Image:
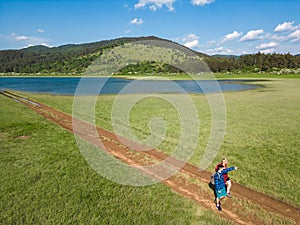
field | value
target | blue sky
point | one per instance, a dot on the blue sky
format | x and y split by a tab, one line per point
208	26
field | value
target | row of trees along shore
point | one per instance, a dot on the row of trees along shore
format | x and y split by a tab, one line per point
258	62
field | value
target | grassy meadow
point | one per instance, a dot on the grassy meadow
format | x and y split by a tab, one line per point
45	180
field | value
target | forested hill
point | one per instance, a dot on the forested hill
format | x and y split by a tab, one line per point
75	58
71	58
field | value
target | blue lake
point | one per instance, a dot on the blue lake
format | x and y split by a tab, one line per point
94	86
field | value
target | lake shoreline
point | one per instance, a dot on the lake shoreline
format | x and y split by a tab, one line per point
115	85
212	76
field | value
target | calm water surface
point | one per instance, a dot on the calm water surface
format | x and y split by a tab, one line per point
69	85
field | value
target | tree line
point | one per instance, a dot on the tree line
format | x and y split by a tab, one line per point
258	62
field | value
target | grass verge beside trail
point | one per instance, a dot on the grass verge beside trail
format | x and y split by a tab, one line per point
45	180
263	138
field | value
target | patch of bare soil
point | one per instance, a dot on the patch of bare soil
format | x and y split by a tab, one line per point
188	181
22	137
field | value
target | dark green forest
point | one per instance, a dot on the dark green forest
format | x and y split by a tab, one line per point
74	59
70	58
258	62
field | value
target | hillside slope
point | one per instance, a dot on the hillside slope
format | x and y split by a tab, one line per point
71	58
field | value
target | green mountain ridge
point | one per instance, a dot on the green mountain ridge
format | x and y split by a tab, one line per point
69	58
75	58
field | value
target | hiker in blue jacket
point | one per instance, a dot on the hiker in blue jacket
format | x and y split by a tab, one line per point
219	183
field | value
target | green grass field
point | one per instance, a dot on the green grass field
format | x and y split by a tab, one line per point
262	134
263	138
45	179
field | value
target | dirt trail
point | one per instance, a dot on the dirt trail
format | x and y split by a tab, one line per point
187	181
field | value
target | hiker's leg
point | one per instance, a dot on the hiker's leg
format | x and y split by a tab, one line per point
212	186
228	185
215	193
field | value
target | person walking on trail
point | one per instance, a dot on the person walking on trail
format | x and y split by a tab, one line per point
227	180
220	184
211	184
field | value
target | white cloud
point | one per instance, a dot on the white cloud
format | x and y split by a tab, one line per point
219	50
137	21
286	26
22	38
190	40
155	4
232	36
153	7
295	36
127	7
30	45
278	38
47	45
127	31
201	2
40	30
253	35
26	40
268	51
212	42
192	44
44	44
272	44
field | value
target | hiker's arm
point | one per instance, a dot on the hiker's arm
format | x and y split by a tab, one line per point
229	169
